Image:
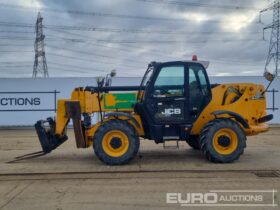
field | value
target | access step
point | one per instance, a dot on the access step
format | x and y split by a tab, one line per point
169	144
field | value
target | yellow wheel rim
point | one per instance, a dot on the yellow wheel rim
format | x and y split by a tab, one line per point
115	143
225	141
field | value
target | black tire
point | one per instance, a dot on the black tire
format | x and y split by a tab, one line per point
126	129
206	141
193	142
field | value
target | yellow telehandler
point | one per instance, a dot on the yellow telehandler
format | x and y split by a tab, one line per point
175	101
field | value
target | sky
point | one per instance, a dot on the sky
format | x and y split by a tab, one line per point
92	37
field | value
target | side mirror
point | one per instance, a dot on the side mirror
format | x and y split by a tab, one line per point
113	73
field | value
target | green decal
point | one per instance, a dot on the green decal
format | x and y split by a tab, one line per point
119	100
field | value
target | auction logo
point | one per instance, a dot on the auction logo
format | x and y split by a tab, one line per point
253	198
19	101
28	101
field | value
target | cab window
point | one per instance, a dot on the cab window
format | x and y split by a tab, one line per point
198	87
170	82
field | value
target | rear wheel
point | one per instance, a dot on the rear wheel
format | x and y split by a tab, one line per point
222	141
116	142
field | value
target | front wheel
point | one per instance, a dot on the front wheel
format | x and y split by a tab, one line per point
115	142
222	141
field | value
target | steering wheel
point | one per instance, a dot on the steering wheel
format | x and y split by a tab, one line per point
162	90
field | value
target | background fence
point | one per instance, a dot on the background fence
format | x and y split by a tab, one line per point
24	101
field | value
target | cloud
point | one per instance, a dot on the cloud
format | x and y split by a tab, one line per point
31	3
230	39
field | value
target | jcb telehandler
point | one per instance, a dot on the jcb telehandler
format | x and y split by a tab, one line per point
175	101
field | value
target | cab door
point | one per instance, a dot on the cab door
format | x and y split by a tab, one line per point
199	90
166	103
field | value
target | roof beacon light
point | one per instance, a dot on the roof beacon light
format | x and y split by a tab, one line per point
194	58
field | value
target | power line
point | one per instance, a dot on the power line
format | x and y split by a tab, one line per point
102	55
119	30
134	31
22	38
79	51
7	66
194	4
114	41
214	61
158	41
79	68
14	45
235	63
18	32
86	72
176	41
89	60
77	40
15	62
111	15
16	25
69	70
73	66
155	52
16	51
91	53
75	58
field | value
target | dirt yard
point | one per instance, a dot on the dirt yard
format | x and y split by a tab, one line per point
71	178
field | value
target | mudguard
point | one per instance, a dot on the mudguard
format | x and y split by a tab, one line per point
236	116
123	114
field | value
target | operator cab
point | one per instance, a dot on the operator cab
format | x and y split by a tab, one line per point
174	95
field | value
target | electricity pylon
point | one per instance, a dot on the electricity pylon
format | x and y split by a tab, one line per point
40	68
